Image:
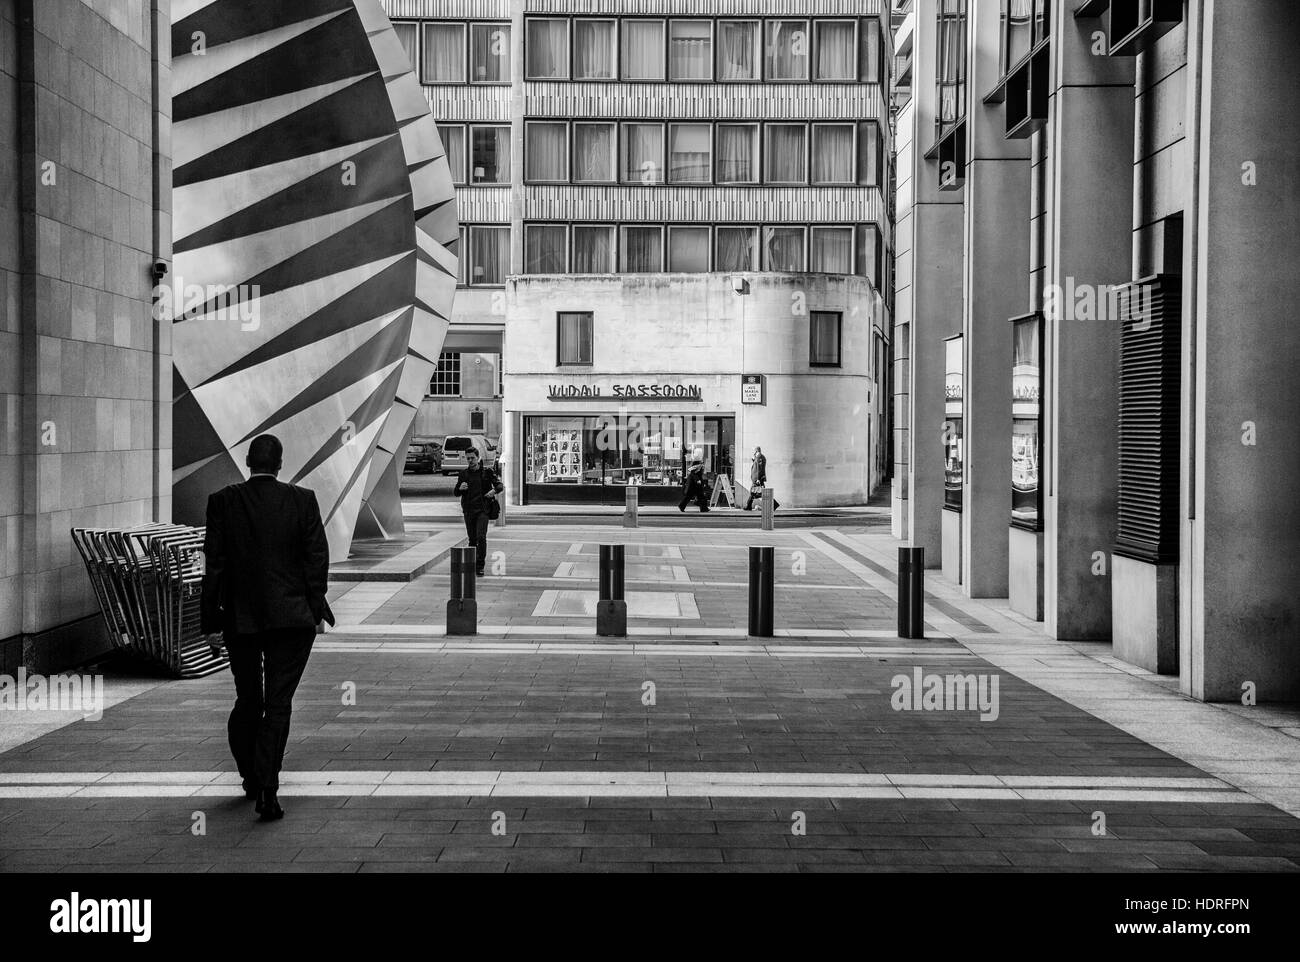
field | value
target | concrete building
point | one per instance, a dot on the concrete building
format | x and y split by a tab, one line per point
665	179
1093	244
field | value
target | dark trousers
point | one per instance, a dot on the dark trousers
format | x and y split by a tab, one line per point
695	492
476	525
267	668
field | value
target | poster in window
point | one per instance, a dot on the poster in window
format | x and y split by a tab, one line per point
1026	409
953	446
564	459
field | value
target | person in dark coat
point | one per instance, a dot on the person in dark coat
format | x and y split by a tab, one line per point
693	486
266	570
477	485
758	480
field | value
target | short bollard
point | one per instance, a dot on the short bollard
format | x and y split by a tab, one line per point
769	509
762	575
631	501
911	592
611	609
462	606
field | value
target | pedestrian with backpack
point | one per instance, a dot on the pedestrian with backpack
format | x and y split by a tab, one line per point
478	487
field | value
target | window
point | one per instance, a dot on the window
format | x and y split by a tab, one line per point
952	61
690	50
783	249
871	154
870	262
786	160
547	54
738	49
574	337
1017	31
594	50
787	50
489	254
593	153
832	152
688	153
446	376
453	142
643	153
462	256
408	34
836	49
548	151
737	153
544	248
477	420
832	250
593	249
688	249
872	60
643	49
737	249
643	251
824	342
491	155
489	53
444	53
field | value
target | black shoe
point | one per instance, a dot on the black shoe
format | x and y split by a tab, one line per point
268	807
704	510
251	790
681	508
479	573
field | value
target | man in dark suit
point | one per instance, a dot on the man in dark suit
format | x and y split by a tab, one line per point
476	486
267	567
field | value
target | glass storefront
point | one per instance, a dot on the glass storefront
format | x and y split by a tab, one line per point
581	458
1026	445
953	411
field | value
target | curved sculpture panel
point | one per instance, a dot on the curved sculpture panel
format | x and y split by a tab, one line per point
315	246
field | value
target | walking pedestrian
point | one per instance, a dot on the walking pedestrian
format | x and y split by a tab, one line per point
758	480
478	487
693	486
265	576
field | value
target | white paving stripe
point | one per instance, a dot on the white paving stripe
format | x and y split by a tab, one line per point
489	648
636	631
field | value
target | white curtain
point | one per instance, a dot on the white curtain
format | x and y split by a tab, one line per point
593	250
547	152
832	250
688	153
737	148
736	249
836	58
593	153
453	142
869	154
786	162
787	50
643	153
444	53
548	49
737	41
688	249
489	254
825	338
690	50
408	34
593	50
784	248
544	249
491	155
642	250
490	52
833	154
575	338
643	50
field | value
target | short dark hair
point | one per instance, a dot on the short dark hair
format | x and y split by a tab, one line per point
265	454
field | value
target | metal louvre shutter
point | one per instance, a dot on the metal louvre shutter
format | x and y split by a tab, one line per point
1149	396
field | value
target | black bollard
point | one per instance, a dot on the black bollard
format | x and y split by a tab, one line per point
911	592
762	575
611	609
462	606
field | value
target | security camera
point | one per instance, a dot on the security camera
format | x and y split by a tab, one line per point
159	270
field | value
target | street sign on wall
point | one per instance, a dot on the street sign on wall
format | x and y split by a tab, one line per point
753	389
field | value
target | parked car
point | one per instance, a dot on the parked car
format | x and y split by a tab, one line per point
454	447
424	457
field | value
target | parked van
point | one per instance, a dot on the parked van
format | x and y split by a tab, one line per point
454	447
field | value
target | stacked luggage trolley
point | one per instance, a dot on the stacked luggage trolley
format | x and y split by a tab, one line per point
148	580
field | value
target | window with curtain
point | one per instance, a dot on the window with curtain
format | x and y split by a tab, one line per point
547	53
787	50
593	153
832	154
688	153
836	50
643	49
489	249
547	149
462	256
593	249
688	250
574	337
453	142
783	249
952	61
444	53
409	35
832	250
786	152
871	154
738	54
489	53
737	249
869	264
737	153
643	153
593	50
643	250
544	248
1017	25
873	52
690	50
491	158
824	339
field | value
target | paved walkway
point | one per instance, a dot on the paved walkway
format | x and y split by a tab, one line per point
686	747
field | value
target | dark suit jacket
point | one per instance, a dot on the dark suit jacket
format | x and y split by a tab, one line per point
267	560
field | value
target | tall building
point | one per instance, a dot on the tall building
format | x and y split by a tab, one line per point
1095	214
675	232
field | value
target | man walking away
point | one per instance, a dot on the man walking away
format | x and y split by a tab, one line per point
758	480
267	570
693	486
478	487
